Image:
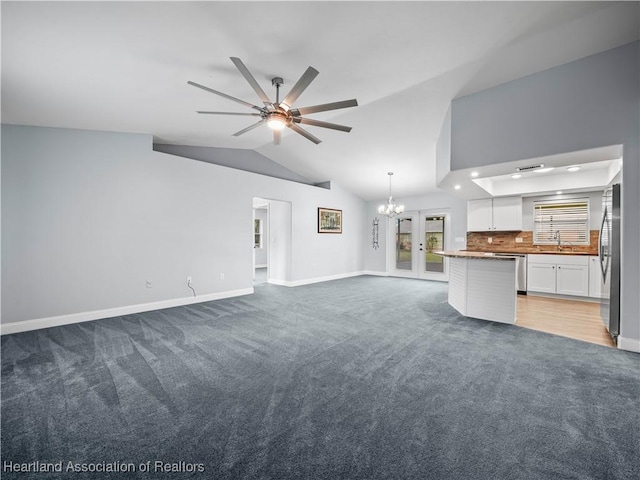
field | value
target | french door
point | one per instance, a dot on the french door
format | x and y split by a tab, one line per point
414	238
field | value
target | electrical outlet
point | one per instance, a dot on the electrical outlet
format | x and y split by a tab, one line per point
148	284
490	240
518	239
222	276
188	280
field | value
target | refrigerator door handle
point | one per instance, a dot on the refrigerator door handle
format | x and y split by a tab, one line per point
602	254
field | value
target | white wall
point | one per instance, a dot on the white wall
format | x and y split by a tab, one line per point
88	217
376	261
589	103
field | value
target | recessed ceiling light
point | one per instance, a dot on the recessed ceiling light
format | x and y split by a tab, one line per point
574	168
457	187
543	170
474	174
516	175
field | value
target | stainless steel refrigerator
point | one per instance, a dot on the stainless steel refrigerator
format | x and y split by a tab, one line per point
609	253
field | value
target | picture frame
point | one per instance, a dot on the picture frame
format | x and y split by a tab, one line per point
329	220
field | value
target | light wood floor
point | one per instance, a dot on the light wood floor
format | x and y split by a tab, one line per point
568	318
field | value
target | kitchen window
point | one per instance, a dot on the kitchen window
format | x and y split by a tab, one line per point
564	222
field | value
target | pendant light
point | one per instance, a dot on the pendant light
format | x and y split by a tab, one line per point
390	209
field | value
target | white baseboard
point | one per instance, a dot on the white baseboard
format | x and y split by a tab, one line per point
564	297
47	322
628	344
282	283
379	274
309	281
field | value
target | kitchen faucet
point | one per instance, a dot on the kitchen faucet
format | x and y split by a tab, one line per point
556	236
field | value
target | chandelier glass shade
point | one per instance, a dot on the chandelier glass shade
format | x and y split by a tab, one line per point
390	209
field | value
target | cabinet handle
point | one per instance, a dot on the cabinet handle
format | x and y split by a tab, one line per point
553	266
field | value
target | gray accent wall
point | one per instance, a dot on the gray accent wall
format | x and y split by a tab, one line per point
443	149
588	103
89	217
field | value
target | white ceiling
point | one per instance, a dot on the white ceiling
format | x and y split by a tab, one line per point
121	66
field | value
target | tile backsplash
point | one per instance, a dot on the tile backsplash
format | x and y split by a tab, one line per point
506	241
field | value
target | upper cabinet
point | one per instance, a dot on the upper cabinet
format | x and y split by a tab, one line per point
480	215
489	214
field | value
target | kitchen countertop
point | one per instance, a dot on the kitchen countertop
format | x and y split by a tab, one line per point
480	255
532	251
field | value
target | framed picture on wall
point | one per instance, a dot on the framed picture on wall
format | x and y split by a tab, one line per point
329	220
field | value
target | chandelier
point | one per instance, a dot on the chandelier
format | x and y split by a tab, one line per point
390	209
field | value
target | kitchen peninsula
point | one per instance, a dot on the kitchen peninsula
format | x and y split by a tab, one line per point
482	285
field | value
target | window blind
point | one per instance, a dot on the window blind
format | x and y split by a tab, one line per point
566	220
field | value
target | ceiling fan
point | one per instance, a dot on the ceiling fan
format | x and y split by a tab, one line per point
280	114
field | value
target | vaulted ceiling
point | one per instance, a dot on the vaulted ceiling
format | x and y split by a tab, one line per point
121	66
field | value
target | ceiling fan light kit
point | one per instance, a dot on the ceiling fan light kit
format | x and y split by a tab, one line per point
278	115
277	121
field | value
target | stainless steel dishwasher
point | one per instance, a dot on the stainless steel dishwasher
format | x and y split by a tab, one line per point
521	270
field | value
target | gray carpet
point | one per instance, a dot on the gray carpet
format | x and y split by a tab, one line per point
362	378
260	276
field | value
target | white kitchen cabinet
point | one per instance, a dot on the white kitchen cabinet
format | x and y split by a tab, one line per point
507	213
480	215
494	214
595	277
558	274
541	277
572	280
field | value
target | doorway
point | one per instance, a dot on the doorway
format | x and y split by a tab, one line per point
260	241
415	236
272	259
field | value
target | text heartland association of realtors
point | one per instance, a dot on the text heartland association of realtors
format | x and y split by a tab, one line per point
156	466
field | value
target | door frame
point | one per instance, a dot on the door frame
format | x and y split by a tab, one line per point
418	250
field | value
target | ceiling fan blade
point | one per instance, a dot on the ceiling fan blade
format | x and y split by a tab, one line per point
277	137
324	107
250	127
224	95
318	123
304	133
231	113
300	86
250	78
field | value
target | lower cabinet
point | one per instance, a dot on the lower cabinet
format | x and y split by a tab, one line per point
560	274
572	280
541	277
595	277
